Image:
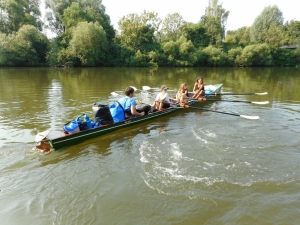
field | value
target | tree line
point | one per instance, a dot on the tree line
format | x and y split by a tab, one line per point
85	37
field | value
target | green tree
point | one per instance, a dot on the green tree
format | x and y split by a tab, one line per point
137	32
214	21
284	57
54	13
27	47
292	31
16	13
297	56
89	43
140	60
270	15
255	55
233	54
172	27
239	37
215	56
73	15
197	34
180	53
274	36
94	12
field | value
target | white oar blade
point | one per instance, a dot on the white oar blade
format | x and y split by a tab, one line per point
263	93
114	94
261	103
40	136
250	117
134	88
146	88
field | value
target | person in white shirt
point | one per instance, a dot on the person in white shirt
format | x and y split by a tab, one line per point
162	100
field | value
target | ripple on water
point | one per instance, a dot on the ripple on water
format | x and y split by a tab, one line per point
198	164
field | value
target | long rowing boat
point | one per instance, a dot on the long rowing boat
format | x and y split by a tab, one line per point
46	144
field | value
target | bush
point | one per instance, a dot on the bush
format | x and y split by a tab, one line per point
180	53
296	54
27	47
88	43
284	57
201	58
233	54
215	56
255	55
140	60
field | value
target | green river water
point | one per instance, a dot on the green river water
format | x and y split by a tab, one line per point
190	167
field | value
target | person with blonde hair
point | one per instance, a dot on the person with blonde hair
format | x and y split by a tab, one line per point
182	95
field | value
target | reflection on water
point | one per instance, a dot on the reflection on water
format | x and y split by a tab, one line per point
191	167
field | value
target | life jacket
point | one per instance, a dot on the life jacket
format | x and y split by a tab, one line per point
102	114
117	112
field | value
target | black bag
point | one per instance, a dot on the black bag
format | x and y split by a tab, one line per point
82	125
103	115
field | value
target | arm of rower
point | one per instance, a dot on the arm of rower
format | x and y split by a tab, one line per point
178	95
195	88
135	113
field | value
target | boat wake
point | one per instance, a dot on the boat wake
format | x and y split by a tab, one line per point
206	166
167	169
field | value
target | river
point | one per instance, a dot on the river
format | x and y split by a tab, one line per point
190	167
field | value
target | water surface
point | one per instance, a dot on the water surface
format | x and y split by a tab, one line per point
190	167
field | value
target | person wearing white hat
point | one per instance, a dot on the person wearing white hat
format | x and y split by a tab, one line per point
162	100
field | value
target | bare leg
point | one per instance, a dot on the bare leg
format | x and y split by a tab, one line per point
184	99
160	106
156	104
196	94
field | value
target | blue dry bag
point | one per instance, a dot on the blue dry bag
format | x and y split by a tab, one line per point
117	112
89	123
86	123
71	127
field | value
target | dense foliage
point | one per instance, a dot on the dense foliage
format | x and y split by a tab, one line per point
85	37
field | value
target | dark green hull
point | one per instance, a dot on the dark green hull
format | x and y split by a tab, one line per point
72	139
96	132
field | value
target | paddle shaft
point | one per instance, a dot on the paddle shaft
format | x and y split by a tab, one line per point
204	109
250	93
223	100
232	114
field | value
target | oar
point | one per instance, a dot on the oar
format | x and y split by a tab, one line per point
223	100
134	88
114	94
233	114
40	136
250	93
140	101
147	88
